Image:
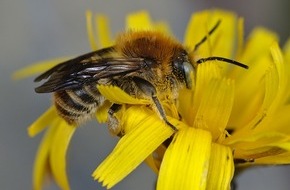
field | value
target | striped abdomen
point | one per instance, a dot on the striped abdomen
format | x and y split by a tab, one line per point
78	105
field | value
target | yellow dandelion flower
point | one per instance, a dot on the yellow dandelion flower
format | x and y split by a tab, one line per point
231	117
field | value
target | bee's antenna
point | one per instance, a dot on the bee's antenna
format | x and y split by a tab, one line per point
214	57
224	60
205	37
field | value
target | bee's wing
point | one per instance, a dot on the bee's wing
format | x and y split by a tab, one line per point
83	70
70	63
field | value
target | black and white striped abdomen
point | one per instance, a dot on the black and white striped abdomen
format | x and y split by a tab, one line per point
78	105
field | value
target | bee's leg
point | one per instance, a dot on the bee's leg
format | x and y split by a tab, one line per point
148	89
114	108
113	123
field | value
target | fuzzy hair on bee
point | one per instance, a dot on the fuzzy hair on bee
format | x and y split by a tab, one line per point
145	64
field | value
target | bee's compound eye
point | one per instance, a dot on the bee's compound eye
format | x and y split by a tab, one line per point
187	70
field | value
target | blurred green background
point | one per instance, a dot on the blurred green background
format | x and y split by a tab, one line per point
34	30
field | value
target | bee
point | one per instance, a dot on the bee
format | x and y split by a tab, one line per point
144	64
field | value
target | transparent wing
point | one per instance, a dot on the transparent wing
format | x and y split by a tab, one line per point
87	69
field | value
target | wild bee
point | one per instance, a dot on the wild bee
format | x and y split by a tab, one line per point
145	64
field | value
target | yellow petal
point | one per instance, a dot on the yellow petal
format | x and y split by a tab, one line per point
286	53
249	93
261	145
221	168
90	31
286	50
185	100
240	37
215	112
258	43
219	43
225	40
104	34
139	21
186	162
234	72
282	80
41	163
154	160
163	27
257	56
38	67
58	151
275	84
197	28
283	158
133	148
190	100
42	122
205	73
256	51
118	96
151	163
264	155
281	121
253	141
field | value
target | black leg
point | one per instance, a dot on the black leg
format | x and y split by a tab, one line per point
114	108
148	89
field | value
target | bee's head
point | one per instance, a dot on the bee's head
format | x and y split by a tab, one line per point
164	55
182	67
